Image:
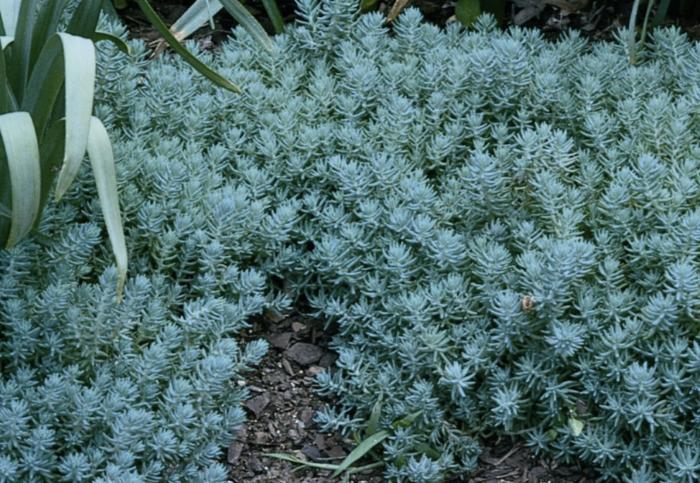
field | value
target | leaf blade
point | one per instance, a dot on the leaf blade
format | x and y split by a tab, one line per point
197	64
362	449
293	459
102	159
274	14
9	10
194	17
373	423
99	36
249	23
22	155
79	70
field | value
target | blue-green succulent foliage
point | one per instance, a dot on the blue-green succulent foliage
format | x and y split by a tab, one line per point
504	230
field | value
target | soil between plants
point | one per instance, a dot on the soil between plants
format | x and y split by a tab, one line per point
283	404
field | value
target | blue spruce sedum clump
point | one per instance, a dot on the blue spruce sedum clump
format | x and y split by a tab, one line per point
503	230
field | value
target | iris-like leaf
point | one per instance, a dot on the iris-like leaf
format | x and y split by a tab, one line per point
202	11
274	14
8	103
20	53
46	25
194	17
84	20
197	64
102	159
9	10
22	156
248	22
116	41
79	72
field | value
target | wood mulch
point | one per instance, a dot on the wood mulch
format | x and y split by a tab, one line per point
282	408
281	411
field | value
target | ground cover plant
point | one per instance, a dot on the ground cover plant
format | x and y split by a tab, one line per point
503	231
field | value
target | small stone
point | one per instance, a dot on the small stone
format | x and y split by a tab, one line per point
234	452
314	371
274	316
320	442
298	326
306	415
328	360
258	404
311	452
304	354
280	341
287	367
256	465
236	447
336	452
261	437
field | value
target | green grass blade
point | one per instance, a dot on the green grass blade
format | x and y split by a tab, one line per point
5	41
22	156
9	10
197	64
645	25
632	33
299	461
102	159
194	17
273	12
248	22
373	423
79	70
407	421
118	43
362	449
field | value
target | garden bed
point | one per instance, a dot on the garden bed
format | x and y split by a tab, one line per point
489	241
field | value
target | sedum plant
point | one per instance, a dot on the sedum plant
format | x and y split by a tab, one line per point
501	231
47	82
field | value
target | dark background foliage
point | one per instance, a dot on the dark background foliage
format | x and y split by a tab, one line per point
597	18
